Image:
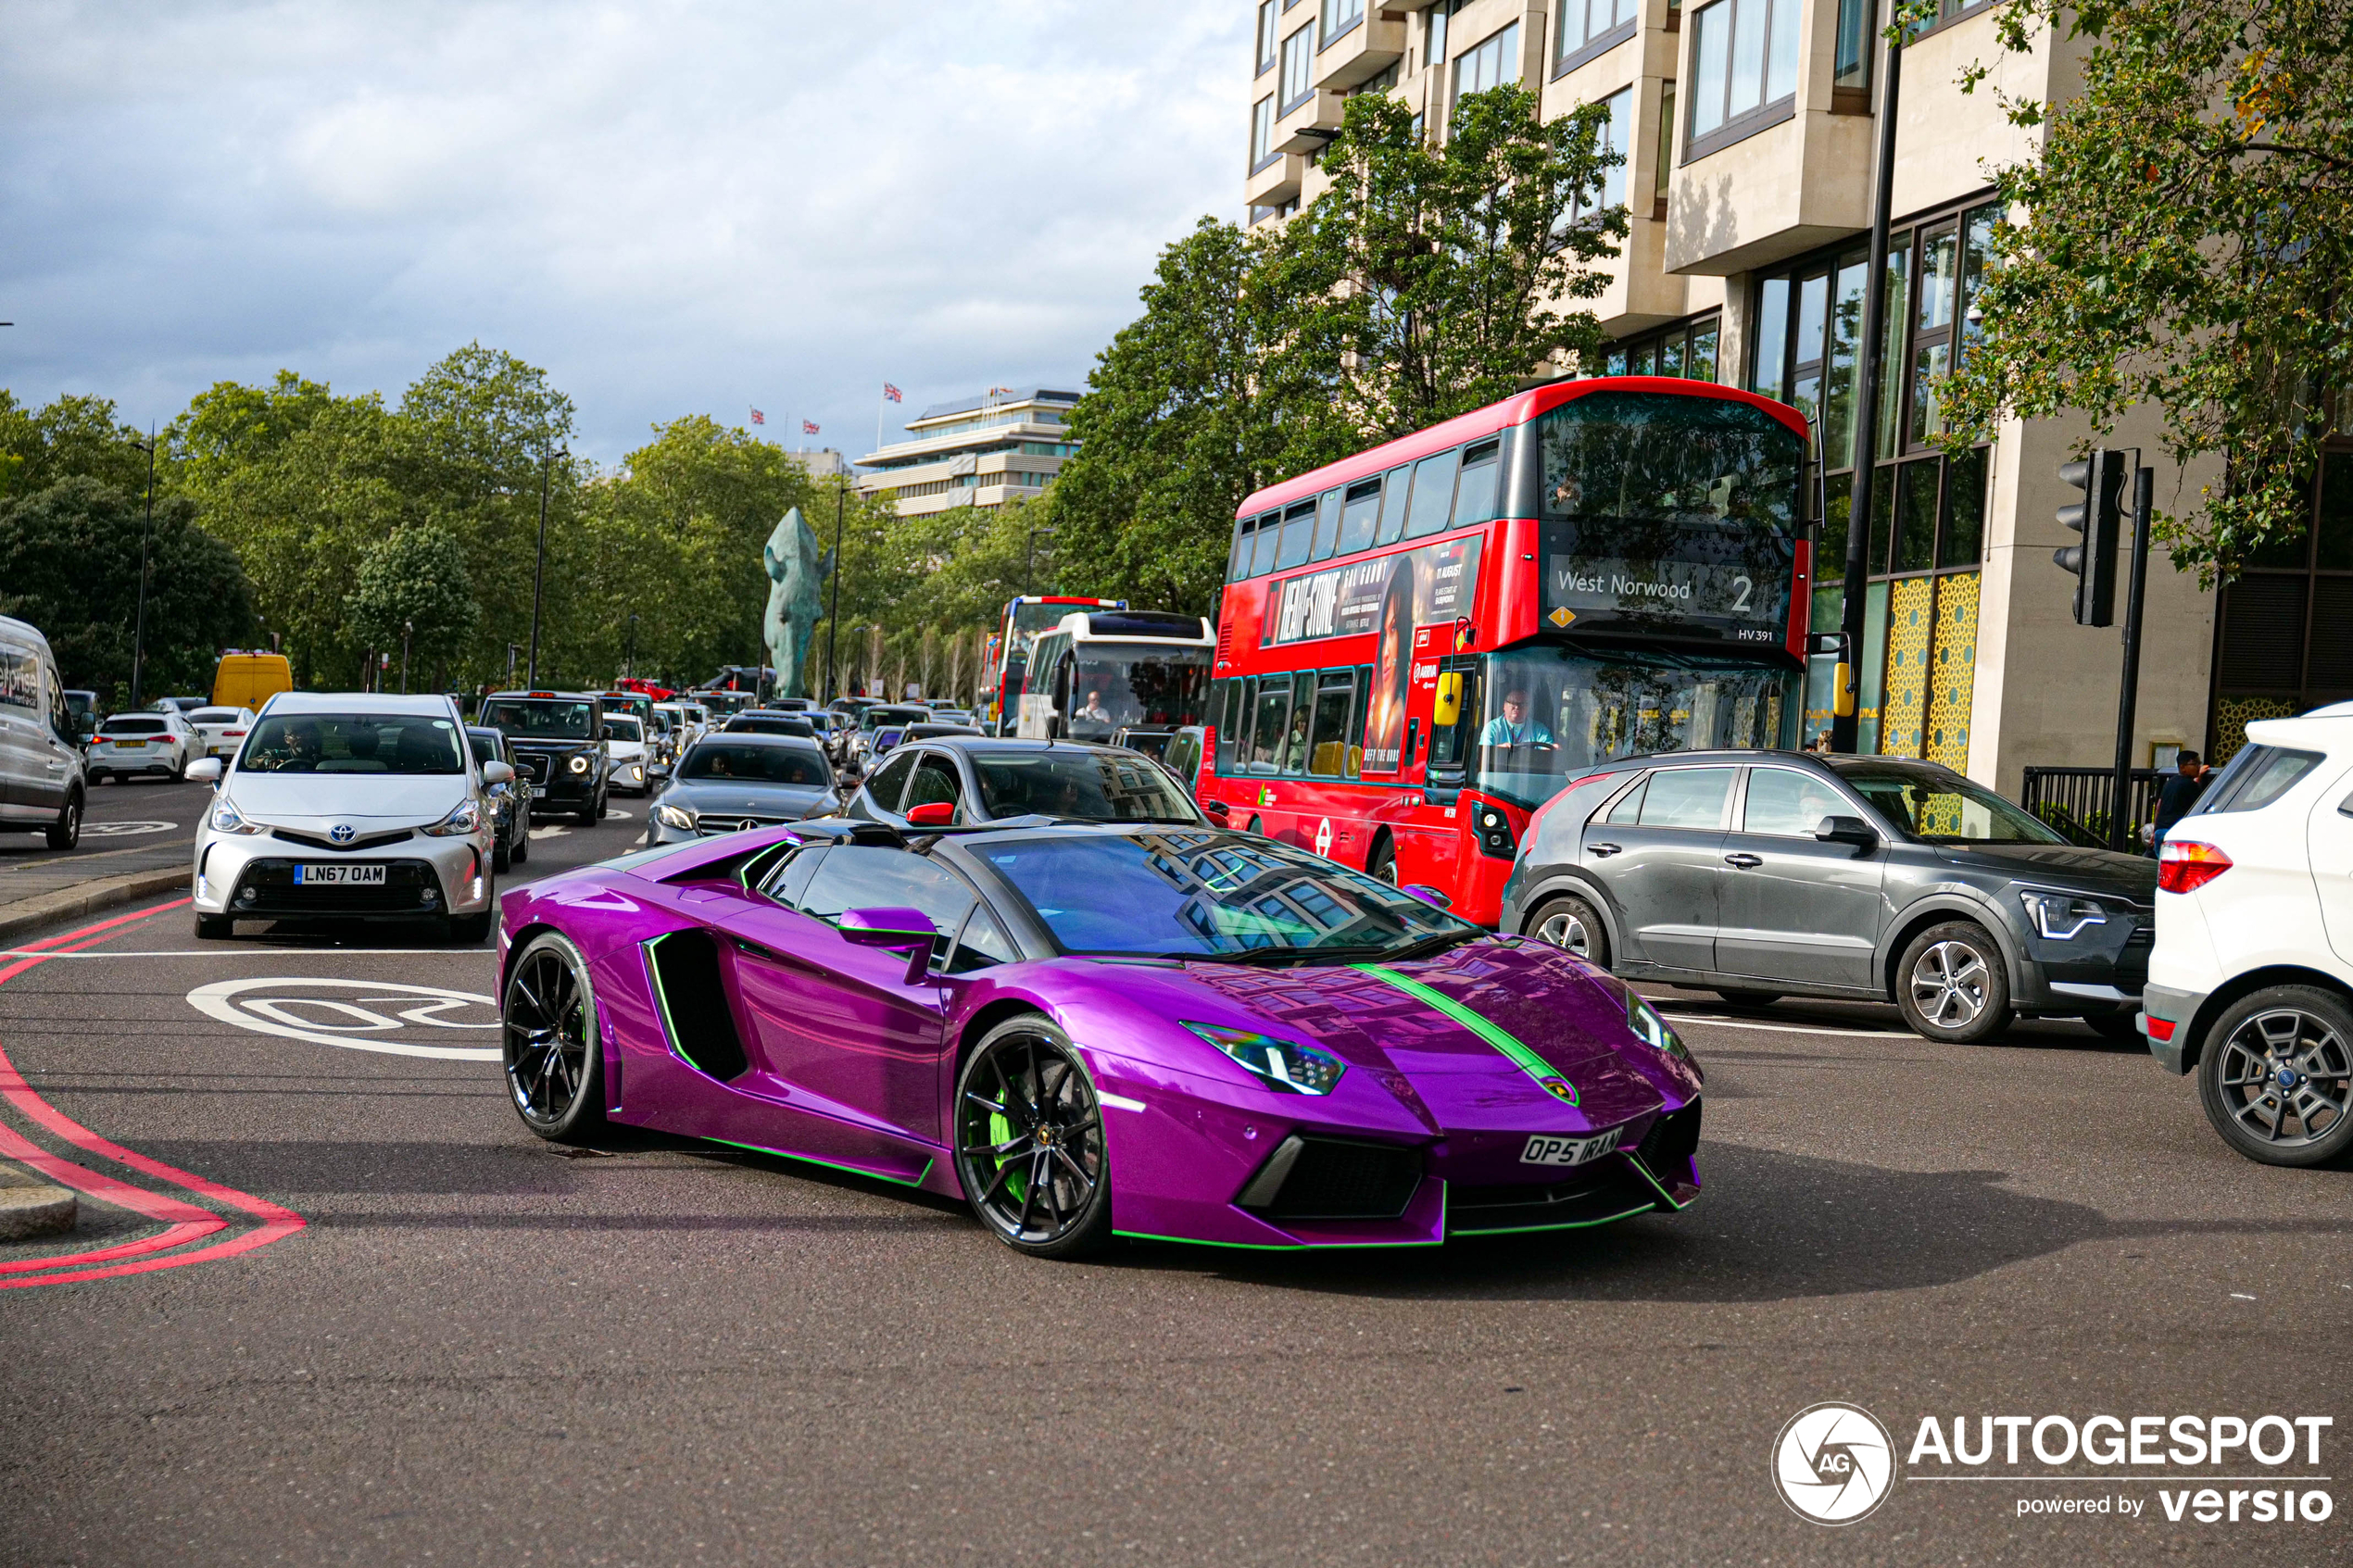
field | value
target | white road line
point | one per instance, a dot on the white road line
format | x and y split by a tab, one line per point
1792	1028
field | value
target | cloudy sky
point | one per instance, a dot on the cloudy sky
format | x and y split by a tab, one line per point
673	208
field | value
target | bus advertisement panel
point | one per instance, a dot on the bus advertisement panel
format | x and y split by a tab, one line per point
1420	645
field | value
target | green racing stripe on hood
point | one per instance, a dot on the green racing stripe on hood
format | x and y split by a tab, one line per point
1527	1060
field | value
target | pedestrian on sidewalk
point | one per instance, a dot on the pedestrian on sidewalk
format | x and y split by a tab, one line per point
2177	796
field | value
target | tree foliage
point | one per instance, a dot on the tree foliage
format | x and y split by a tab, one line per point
414	593
2184	239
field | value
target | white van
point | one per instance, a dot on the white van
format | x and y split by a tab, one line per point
2251	982
42	786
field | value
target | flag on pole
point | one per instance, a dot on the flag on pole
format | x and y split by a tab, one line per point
807	427
758	417
892	393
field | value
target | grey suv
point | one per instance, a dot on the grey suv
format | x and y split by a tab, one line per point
1760	874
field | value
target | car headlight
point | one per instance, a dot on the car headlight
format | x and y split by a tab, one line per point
675	817
580	762
1291	1068
225	819
2061	917
1653	1032
465	817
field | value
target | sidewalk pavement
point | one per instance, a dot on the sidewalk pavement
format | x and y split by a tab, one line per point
38	893
31	1208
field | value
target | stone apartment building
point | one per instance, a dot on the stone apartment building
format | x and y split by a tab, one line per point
977	451
1750	133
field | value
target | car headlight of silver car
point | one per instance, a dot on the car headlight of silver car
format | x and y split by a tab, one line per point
1654	1031
226	819
2061	917
675	817
580	762
1284	1064
464	818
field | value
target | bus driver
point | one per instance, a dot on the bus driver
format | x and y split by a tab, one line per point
1513	727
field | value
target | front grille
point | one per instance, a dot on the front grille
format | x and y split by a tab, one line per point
410	888
320	841
1603	1189
531	767
1672	1140
1308	1178
707	826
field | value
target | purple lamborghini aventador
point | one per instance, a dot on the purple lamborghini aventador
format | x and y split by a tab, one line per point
1088	1030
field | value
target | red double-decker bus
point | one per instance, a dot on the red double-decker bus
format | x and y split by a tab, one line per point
1025	619
1420	645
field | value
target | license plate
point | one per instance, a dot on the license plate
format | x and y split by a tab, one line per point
539	792
339	877
1545	1150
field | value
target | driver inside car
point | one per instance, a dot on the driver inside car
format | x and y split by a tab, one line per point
1513	727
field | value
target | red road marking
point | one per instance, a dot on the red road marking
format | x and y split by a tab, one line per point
188	1220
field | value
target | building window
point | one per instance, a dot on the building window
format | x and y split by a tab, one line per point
1299	67
1261	134
1662	148
1746	66
1583	28
1851	65
1434	40
1686	349
1339	16
1491	64
2284	639
1618	136
1266	36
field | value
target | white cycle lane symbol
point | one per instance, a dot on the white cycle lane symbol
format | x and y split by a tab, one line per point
356	1015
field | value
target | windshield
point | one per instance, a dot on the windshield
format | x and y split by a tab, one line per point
1944	808
1112	687
352	743
1534	718
1671	514
538	717
875	717
625	728
1207	894
1089	786
804	765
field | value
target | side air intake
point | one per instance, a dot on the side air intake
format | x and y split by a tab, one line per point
694	1002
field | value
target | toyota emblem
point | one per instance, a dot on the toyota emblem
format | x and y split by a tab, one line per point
342	833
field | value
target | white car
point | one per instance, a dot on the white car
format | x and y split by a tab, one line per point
160	743
222	730
625	749
687	722
350	805
2251	978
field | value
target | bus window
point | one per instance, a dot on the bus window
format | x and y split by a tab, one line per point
1475	495
1267	733
1433	490
1451	748
1328	746
1262	553
1232	702
1302	702
1359	517
1298	536
1392	514
1327	524
1237	563
1356	721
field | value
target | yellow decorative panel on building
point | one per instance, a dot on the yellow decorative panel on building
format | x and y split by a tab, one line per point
1910	616
1951	670
2233	714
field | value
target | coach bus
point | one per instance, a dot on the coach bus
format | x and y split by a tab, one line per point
1025	617
1124	673
1420	645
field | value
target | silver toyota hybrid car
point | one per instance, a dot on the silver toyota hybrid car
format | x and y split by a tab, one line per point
349	807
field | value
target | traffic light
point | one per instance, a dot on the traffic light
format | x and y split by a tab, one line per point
2101	477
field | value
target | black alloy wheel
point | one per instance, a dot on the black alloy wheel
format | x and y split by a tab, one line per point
66	832
555	1070
1573	925
1953	985
2276	1076
1030	1141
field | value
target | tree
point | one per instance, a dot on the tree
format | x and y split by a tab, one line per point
69	565
1427	282
413	594
72	435
2182	238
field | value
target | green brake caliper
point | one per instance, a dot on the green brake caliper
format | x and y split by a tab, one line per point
1001	1131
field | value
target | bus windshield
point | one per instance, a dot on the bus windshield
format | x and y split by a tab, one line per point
1112	686
1533	718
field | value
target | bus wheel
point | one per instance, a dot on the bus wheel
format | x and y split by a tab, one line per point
1255	826
1574	926
1384	862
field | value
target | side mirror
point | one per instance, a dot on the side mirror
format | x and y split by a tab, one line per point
893	928
931	814
1427	894
496	774
1846	829
205	770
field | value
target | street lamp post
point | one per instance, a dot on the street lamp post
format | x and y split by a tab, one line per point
833	614
539	573
407	630
629	659
146	531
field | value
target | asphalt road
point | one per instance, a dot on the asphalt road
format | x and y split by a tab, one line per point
125	814
481	1350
